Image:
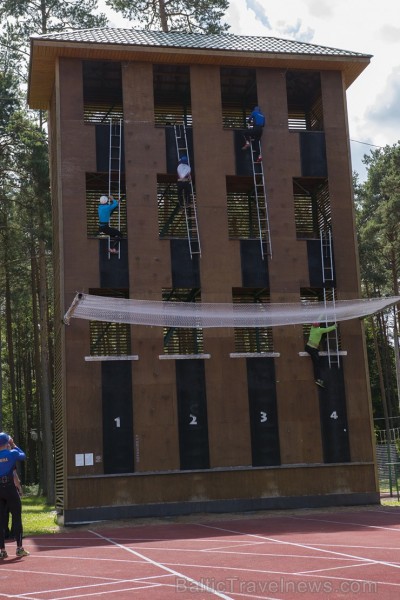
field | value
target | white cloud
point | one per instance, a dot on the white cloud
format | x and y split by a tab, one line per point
259	12
320	8
389	34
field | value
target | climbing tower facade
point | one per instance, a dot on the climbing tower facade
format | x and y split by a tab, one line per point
157	421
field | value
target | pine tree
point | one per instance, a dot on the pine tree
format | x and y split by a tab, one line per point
191	16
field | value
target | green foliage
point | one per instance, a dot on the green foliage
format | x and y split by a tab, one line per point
21	19
32	17
196	16
377	204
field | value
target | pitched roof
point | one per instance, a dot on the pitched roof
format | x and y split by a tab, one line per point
198	41
180	48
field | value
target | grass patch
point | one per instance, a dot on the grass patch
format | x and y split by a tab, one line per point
38	518
390	502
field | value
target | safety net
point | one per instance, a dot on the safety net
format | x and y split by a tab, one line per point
202	314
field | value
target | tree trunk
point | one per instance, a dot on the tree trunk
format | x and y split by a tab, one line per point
46	399
163	16
383	392
1	380
385	361
37	432
395	282
10	349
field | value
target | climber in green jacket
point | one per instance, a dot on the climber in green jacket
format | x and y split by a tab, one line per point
312	348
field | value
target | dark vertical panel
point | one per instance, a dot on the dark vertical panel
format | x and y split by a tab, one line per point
334	429
315	265
314	262
116	379
192	414
185	270
254	268
103	148
113	270
243	163
263	412
171	154
313	154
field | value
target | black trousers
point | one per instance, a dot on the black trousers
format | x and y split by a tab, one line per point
10	499
114	234
254	133
313	352
184	190
9	532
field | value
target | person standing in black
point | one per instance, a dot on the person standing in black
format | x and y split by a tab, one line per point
9	532
9	496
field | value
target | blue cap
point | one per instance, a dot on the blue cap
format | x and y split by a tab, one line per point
184	159
4	438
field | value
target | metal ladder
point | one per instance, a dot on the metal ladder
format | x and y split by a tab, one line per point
332	339
192	226
114	169
261	201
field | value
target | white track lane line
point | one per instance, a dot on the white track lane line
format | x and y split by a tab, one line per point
161	566
305	546
86	587
346	523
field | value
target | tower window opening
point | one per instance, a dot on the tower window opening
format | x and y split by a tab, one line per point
172	100
252	339
182	340
238	96
305	110
102	91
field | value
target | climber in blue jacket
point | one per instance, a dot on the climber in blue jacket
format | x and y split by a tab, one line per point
256	123
106	207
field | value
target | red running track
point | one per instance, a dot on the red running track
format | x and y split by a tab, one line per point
343	553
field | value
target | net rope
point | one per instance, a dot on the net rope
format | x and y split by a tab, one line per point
202	314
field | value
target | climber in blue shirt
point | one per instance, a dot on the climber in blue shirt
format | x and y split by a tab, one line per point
106	207
256	123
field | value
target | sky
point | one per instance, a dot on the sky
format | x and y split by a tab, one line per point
368	26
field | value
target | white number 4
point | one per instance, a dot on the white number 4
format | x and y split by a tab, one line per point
334	415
